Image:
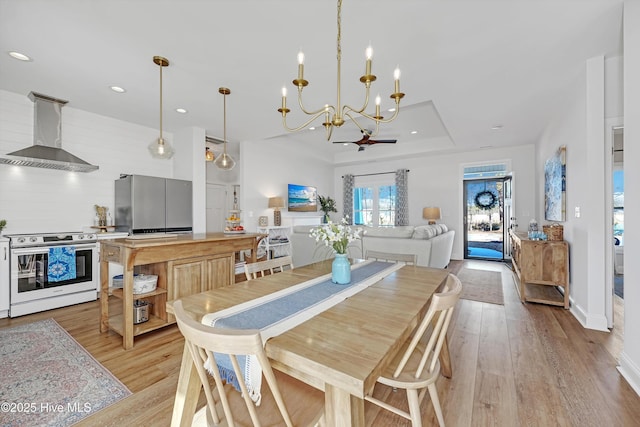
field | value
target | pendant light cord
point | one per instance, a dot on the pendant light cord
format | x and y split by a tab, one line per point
161	101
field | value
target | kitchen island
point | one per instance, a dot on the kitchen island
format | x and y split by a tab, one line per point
185	264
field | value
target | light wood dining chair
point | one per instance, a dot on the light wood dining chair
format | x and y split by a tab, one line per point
416	367
284	400
261	268
409	259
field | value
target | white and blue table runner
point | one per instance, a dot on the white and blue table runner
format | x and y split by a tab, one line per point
280	311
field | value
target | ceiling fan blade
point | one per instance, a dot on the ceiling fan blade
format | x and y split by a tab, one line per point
383	141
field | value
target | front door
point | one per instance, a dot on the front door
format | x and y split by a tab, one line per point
484	219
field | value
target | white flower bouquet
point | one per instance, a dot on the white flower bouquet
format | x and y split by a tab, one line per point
336	236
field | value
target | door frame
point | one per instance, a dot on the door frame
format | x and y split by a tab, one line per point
611	126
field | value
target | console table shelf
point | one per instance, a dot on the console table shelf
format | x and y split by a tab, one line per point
542	268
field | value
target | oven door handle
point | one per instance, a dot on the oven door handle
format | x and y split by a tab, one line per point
45	249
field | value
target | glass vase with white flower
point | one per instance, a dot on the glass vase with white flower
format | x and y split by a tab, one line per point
338	237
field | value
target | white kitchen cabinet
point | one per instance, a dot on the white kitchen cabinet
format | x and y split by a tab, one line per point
277	242
5	291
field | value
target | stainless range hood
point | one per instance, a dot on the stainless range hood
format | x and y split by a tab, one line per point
46	151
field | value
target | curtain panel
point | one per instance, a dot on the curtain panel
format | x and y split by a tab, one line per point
402	193
347	189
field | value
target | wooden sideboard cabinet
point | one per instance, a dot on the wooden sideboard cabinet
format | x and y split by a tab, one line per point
542	268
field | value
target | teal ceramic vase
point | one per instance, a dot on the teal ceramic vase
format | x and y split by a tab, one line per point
341	270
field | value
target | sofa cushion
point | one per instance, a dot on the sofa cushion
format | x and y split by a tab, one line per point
403	232
443	228
429	231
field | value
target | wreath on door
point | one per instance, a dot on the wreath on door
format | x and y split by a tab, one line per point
486	200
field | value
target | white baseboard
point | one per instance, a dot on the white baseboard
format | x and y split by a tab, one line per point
630	372
598	323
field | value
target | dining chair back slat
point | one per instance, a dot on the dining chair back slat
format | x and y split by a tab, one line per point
271	266
409	259
417	366
284	400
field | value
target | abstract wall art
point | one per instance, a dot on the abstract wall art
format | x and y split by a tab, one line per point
555	191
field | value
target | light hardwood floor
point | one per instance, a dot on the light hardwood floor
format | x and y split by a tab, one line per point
513	365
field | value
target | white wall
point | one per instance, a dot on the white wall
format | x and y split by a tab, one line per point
436	180
268	166
630	357
42	200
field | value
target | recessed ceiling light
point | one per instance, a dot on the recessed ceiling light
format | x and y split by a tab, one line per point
345	144
117	89
413	132
312	128
496	127
181	110
19	56
391	110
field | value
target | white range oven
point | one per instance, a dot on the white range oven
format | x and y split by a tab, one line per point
52	270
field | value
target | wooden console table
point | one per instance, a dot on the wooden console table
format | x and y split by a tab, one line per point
542	267
185	264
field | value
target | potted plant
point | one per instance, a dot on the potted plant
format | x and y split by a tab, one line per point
3	224
327	204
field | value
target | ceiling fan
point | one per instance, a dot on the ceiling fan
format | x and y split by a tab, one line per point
366	140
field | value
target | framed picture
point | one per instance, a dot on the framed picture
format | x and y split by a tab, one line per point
263	221
555	191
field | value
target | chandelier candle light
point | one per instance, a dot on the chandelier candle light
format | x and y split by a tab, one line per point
335	115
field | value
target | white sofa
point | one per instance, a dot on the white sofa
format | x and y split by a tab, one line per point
431	243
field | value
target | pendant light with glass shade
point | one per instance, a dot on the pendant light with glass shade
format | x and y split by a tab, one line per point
224	161
160	148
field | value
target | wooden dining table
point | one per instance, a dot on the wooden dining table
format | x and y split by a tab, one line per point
341	351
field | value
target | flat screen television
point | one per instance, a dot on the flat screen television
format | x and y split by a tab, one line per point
302	198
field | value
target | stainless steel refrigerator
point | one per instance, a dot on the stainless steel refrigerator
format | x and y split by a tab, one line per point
148	204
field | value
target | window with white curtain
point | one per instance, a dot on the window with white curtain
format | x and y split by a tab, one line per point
374	200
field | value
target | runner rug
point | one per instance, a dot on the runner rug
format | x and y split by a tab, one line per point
481	285
48	379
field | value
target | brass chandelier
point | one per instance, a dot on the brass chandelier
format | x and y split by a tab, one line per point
335	115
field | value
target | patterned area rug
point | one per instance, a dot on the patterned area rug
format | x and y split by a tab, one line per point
481	285
48	379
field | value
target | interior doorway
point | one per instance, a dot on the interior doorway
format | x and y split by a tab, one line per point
614	202
215	210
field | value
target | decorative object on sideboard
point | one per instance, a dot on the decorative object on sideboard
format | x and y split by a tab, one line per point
263	221
224	161
160	148
327	205
339	111
554	232
431	214
276	203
